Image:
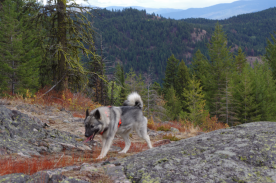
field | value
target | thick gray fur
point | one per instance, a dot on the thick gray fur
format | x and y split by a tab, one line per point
106	119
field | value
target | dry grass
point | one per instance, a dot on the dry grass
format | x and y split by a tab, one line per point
76	102
171	137
209	124
14	164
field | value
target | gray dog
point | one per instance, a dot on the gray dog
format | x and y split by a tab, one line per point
108	121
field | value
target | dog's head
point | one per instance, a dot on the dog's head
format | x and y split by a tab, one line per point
93	123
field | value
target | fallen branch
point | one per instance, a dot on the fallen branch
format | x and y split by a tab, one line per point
58	160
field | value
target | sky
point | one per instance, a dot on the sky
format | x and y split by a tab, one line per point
176	4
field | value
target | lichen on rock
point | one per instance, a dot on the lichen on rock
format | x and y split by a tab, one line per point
245	153
17	135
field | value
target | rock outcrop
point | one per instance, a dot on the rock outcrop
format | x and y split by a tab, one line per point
27	136
245	153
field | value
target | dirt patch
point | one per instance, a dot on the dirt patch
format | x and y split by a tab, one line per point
251	60
198	35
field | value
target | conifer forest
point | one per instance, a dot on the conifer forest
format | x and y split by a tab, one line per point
185	70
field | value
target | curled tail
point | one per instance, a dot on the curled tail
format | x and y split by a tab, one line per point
134	99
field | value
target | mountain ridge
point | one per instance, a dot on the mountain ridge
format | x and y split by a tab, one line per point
218	11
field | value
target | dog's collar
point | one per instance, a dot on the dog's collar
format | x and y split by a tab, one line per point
119	124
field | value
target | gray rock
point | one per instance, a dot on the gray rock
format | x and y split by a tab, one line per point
18	135
72	180
175	130
66	121
39	177
38	121
55	148
16	177
245	153
88	168
116	173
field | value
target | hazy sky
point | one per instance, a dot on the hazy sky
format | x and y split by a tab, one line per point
177	4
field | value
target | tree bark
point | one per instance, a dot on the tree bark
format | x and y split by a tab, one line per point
62	65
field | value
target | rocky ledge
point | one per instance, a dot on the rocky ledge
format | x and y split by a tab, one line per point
245	153
26	136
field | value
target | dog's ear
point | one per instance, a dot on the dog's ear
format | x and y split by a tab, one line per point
87	113
97	114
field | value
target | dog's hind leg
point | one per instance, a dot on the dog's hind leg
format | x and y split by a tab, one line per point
125	136
143	132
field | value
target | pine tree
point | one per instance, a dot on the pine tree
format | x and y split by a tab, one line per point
120	78
69	32
265	91
271	54
220	63
19	54
247	108
182	79
227	111
195	101
199	66
170	73
173	104
240	60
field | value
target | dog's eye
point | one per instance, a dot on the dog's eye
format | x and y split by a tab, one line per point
92	126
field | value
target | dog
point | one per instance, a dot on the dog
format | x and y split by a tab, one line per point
109	121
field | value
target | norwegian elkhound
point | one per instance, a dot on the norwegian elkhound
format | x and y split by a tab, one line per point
109	121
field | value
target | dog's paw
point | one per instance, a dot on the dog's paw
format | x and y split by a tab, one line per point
100	157
122	152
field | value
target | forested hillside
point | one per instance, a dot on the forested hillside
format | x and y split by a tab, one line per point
250	31
202	79
139	40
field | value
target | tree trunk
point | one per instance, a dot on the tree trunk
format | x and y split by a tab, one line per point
112	91
62	65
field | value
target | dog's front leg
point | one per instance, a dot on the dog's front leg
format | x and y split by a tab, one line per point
103	145
106	145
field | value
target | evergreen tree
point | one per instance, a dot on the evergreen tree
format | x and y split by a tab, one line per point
220	63
195	101
271	54
247	108
170	73
265	91
182	79
69	33
156	86
17	49
240	60
173	104
120	77
199	66
227	108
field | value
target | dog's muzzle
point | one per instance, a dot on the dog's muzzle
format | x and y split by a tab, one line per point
89	136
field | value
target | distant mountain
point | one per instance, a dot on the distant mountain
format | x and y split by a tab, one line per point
140	41
148	10
222	11
219	11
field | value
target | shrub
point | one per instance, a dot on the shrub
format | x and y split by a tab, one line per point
211	124
171	137
163	128
151	124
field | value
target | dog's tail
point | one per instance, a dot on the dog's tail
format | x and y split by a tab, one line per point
134	99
